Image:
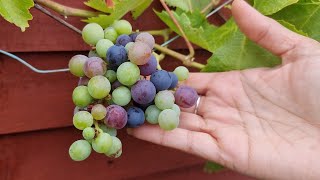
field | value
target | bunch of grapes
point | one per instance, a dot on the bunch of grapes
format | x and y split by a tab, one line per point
120	86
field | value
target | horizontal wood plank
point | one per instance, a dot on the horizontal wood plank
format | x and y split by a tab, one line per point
46	34
44	155
194	172
32	101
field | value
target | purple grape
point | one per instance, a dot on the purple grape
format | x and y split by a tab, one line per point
123	40
174	80
161	80
115	85
143	106
116	117
150	67
116	55
143	92
94	66
135	117
186	96
83	81
133	36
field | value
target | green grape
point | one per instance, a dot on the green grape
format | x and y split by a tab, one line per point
80	150
176	108
164	100
152	114
82	119
111	75
111	34
102	143
76	64
81	96
88	133
98	112
121	96
109	130
128	73
99	87
122	27
182	73
168	120
92	33
128	46
93	53
115	148
102	47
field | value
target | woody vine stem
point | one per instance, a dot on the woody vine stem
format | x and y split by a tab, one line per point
66	11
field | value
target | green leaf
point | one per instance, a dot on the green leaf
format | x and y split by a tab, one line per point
196	27
238	52
292	27
99	5
139	10
211	167
121	7
191	5
304	15
269	7
16	12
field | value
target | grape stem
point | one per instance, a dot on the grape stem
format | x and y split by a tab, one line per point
65	10
189	45
96	126
185	59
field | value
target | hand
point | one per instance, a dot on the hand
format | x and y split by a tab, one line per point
262	122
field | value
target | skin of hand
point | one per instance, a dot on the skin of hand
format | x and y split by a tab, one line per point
262	122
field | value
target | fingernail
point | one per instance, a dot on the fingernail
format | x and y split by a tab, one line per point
130	131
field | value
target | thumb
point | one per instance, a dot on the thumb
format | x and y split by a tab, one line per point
263	30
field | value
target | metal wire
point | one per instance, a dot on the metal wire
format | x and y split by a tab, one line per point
60	20
32	67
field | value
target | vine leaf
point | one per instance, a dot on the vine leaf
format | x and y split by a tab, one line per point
304	15
139	10
99	5
272	6
16	12
195	26
120	8
238	52
191	5
211	167
292	27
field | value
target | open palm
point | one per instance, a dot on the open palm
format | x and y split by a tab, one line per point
262	122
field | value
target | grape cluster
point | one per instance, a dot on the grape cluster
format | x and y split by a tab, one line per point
121	86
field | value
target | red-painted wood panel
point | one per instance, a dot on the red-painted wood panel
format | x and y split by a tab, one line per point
44	155
192	173
31	101
46	34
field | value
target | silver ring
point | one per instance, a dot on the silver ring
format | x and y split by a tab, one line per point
197	105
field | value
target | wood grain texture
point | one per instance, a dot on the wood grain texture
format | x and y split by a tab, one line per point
44	155
46	34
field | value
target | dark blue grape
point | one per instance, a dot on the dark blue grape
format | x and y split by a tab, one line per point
123	40
133	36
116	55
161	80
174	80
150	67
143	106
143	92
135	117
